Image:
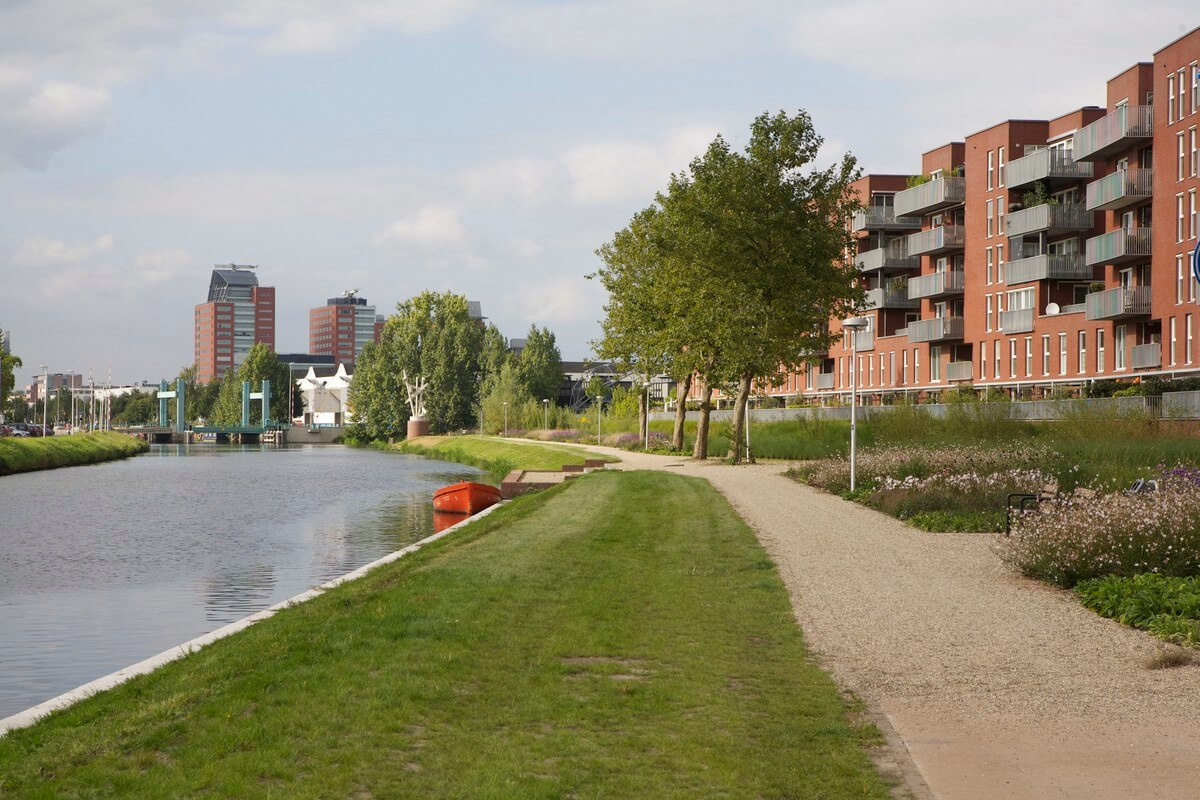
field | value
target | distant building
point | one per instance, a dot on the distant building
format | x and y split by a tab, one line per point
44	385
301	363
238	314
342	327
5	339
326	399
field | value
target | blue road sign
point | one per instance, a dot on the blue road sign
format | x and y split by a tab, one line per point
1196	263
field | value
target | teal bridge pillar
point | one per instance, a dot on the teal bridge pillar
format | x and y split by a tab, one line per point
180	404
265	397
245	404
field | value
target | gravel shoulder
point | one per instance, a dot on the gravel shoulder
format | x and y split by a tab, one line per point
998	686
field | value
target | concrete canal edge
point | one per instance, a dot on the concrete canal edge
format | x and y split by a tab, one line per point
27	717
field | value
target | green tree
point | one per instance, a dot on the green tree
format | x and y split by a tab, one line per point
539	367
494	356
9	363
505	398
261	364
765	236
376	392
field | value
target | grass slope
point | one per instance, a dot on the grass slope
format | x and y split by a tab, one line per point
26	455
623	635
497	455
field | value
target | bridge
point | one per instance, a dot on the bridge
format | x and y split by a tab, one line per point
180	433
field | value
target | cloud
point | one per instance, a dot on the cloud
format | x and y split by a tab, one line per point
40	117
616	171
557	300
68	276
524	248
432	226
42	251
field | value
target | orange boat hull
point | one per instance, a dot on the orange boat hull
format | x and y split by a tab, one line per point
465	498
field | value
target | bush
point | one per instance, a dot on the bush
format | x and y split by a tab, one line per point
1073	539
1167	607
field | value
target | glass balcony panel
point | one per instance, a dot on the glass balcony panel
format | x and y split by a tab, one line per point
1047	266
1119	189
1017	321
1119	302
1119	246
937	329
1121	129
824	380
882	218
960	371
1050	217
936	240
1146	356
1052	167
931	196
892	258
935	285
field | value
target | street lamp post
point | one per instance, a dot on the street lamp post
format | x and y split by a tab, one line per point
546	413
506	418
854	325
71	387
45	399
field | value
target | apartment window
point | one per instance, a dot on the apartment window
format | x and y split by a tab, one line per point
1000	158
982	361
905	368
1180	153
1062	354
991	212
1000	263
1099	349
1192	159
916	365
1012	358
1187	338
1173	339
988	300
991	266
1119	347
935	364
1179	217
1045	354
1082	352
1028	356
996	360
1180	273
999	216
1170	99
841	371
991	170
1181	83
1191	213
892	367
1195	87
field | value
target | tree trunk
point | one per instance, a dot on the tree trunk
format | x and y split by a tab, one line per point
681	392
643	414
737	447
700	451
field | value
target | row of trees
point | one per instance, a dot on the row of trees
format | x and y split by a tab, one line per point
464	364
730	277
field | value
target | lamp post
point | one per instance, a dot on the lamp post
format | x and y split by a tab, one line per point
506	418
546	413
854	325
71	387
45	399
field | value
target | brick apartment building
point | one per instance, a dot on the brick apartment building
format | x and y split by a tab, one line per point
1034	255
238	314
342	326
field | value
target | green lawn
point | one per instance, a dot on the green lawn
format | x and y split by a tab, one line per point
497	455
620	636
20	454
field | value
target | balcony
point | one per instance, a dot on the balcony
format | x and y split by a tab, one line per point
892	258
938	329
864	341
1052	218
930	197
936	240
1133	301
1016	321
824	380
1047	267
890	296
882	218
1120	130
1146	356
1118	247
960	371
1051	167
1122	188
936	285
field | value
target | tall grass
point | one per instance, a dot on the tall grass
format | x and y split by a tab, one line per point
27	455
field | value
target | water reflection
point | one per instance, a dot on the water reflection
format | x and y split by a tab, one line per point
106	565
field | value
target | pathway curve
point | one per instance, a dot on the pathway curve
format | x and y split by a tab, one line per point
998	686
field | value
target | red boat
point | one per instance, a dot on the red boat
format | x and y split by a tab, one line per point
465	498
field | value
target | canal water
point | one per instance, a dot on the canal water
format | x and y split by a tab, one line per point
103	566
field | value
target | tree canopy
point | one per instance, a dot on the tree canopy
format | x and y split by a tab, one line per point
261	364
539	367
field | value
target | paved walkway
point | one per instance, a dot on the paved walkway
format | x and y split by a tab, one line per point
998	686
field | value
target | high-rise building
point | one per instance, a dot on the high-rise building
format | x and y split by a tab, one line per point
342	327
238	314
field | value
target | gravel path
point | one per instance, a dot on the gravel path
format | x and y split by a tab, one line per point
998	686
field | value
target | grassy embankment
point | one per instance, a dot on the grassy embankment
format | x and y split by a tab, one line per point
495	454
19	454
623	635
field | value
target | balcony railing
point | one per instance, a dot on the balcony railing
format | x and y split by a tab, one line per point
1074	308
1122	188
960	371
938	329
864	340
1116	247
1120	302
890	296
824	380
882	218
931	196
1051	217
1019	320
891	258
1146	356
1113	133
936	240
1049	166
935	285
1048	266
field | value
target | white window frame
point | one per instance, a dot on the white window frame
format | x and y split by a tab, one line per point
1179	217
989	259
991	170
1119	339
1082	363
1012	358
988	302
1045	354
991	215
1062	354
1000	166
1187	338
1099	351
983	361
1170	98
1172	327
1028	356
1180	157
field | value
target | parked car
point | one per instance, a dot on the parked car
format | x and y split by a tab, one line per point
12	430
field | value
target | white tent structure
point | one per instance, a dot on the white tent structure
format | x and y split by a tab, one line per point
326	400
